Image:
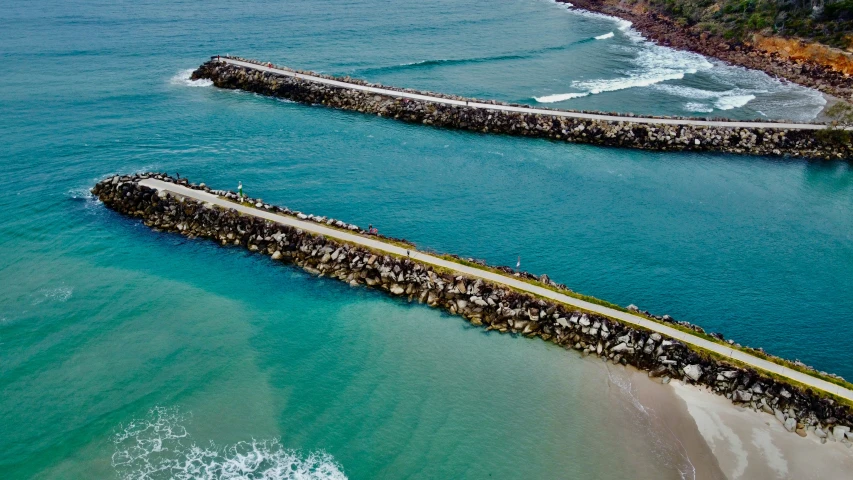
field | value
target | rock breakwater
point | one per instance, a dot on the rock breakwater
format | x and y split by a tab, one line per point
824	143
482	303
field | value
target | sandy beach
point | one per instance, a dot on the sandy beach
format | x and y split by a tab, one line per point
667	425
754	445
715	439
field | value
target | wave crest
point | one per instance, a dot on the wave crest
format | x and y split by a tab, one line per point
151	449
559	97
425	64
613	84
733	101
605	36
720	100
697	107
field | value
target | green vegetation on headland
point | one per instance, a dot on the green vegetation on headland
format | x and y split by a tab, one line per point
825	21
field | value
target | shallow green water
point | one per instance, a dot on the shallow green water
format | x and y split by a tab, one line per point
110	333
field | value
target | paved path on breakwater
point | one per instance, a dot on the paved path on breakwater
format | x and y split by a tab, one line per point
517	284
539	111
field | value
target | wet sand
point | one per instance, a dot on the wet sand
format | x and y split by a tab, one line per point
668	425
712	438
754	445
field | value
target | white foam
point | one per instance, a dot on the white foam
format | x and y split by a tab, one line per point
779	100
657	64
656	58
58	294
654	63
560	97
733	101
698	107
152	448
622	24
613	84
84	196
725	100
183	78
690	92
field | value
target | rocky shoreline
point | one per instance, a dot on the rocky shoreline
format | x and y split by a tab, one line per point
825	144
482	303
666	32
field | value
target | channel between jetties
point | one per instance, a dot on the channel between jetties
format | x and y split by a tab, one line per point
425	258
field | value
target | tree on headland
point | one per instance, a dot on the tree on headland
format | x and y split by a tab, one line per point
841	113
826	21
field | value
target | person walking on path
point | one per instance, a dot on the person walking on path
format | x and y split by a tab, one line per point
240	191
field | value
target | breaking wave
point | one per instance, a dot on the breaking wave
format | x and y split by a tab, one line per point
725	100
654	64
84	196
782	100
560	97
614	84
624	26
734	101
697	107
183	78
160	447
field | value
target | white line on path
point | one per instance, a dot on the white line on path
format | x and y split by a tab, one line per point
374	244
554	113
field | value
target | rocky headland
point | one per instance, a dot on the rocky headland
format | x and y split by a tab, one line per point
825	143
809	64
482	303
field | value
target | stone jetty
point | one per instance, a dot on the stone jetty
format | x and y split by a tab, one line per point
482	303
489	116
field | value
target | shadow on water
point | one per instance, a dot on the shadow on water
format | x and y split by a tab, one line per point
833	177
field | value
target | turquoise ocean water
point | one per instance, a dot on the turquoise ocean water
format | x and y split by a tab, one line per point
126	353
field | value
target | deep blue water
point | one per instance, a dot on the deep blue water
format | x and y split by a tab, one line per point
102	320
